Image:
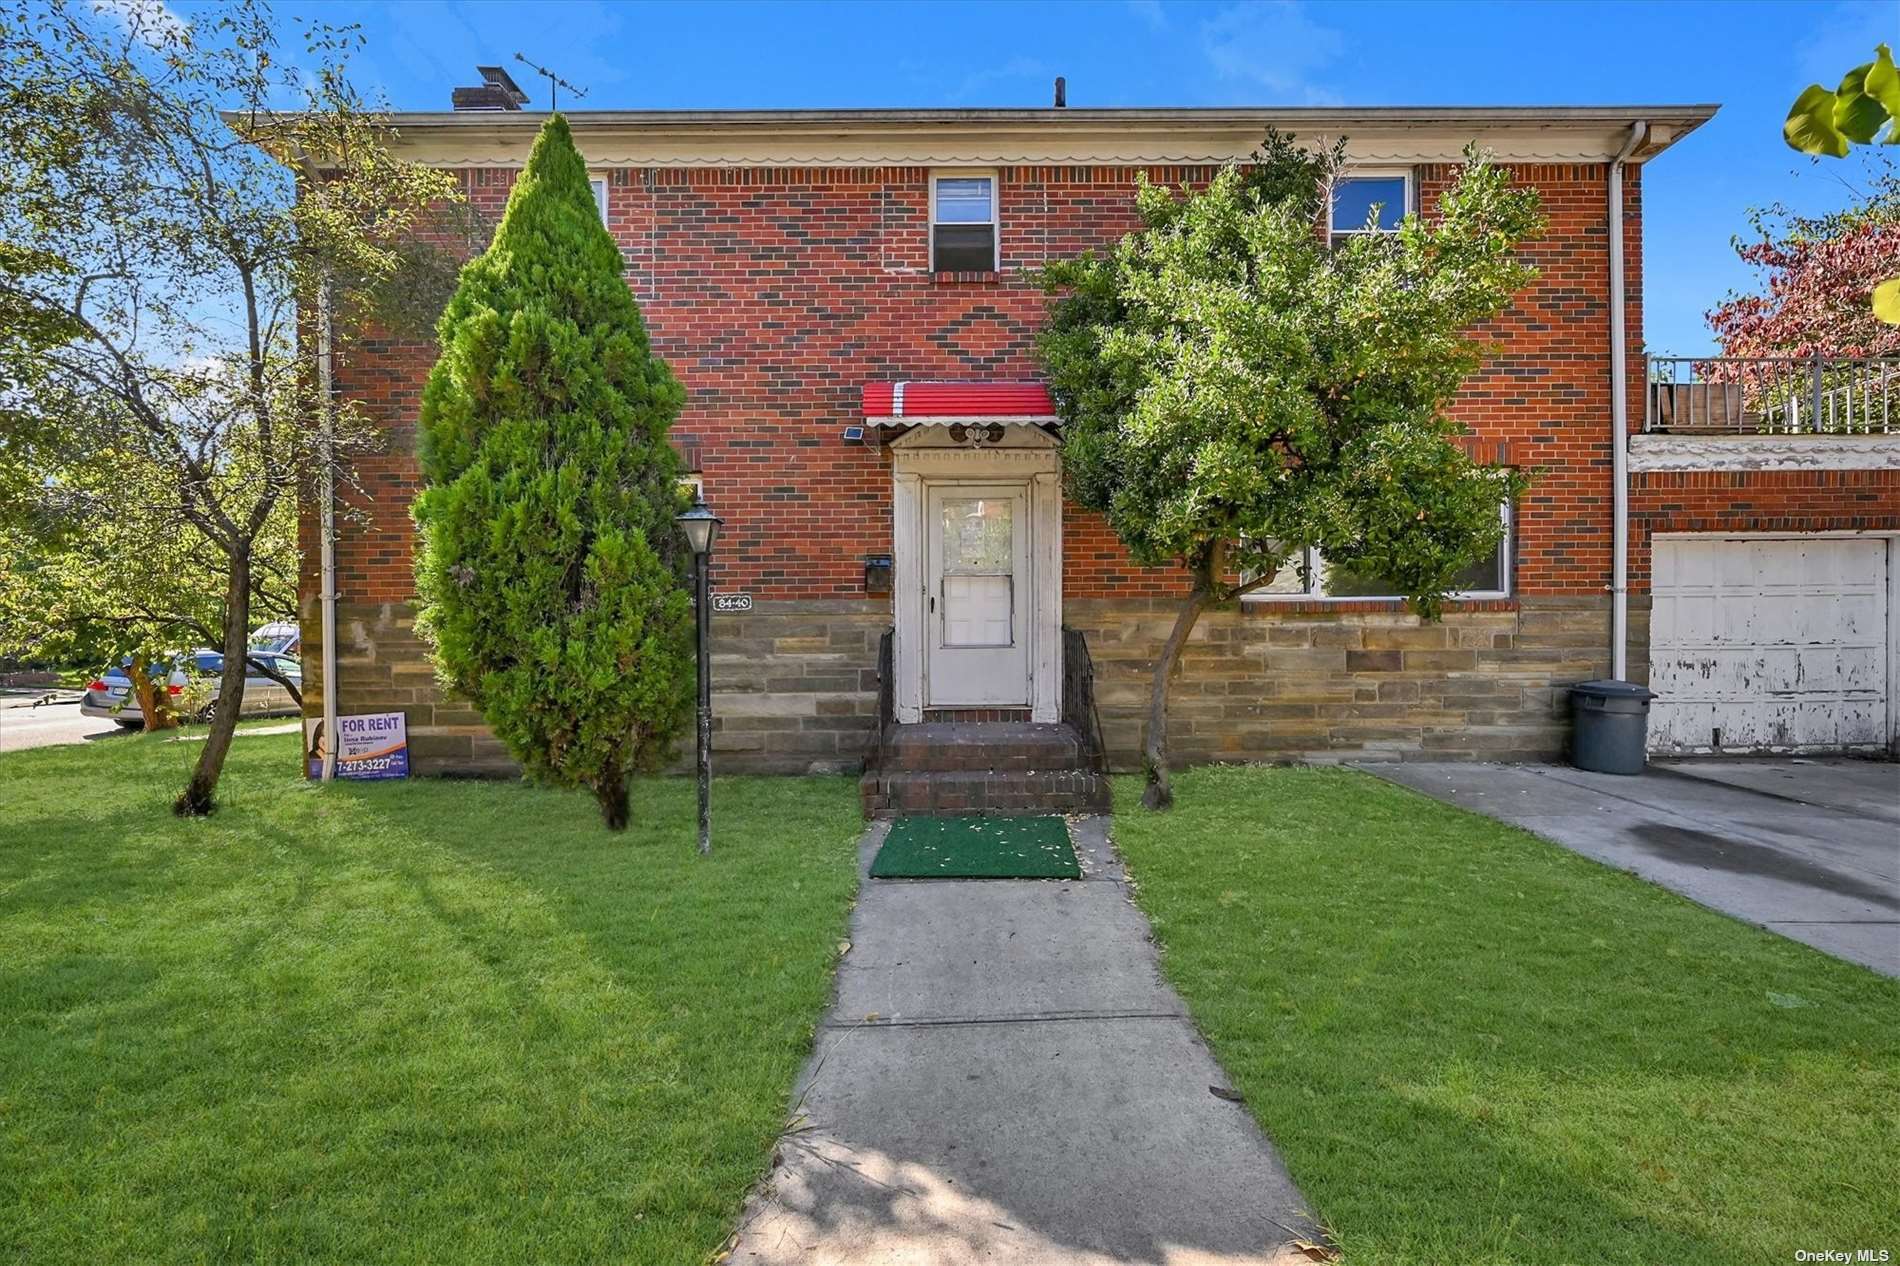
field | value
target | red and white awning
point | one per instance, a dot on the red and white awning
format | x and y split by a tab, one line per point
948	403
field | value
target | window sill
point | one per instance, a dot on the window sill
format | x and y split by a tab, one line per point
989	277
1273	604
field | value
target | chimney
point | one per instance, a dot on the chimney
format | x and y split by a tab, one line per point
1062	93
499	91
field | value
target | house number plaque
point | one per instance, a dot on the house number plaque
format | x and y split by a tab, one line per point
728	603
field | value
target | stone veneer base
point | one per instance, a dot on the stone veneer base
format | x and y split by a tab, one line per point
795	683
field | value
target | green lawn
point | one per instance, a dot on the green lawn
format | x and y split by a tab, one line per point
441	1022
1475	1047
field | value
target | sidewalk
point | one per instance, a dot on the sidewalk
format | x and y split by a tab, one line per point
1004	1078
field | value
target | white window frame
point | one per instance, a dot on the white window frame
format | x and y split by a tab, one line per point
1371	173
996	210
695	483
598	182
1316	586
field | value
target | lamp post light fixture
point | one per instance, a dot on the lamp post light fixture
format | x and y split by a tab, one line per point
701	527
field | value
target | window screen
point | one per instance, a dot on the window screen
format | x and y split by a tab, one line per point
963	224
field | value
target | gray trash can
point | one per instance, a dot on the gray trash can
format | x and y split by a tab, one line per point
1612	729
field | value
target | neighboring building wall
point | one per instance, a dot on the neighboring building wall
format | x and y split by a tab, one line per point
776	293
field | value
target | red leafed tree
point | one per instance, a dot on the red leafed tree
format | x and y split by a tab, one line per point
1820	272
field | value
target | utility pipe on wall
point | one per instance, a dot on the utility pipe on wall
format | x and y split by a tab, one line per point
1619	417
326	510
326	448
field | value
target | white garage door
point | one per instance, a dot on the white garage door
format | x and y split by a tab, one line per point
1777	644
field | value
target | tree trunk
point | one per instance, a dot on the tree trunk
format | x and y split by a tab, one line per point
291	688
154	704
611	793
198	797
1159	794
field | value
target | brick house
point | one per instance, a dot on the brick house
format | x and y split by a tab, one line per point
844	296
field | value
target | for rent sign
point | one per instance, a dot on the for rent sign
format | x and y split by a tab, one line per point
374	745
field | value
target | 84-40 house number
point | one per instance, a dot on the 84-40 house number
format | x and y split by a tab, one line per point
728	603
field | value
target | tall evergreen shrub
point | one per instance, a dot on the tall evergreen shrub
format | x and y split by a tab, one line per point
551	575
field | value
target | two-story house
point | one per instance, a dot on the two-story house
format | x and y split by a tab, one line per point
845	296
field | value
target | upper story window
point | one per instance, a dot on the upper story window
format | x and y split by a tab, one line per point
1368	204
599	185
963	223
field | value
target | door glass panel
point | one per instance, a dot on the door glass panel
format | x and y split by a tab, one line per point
978	536
979	558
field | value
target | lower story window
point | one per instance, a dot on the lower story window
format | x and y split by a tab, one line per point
1489	577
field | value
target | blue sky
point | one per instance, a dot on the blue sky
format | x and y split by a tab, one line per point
1752	58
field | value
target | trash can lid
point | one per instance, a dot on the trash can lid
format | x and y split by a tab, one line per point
1612	690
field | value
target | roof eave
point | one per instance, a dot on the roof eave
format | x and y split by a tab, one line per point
1026	137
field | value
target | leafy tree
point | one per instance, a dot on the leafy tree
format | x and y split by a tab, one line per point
154	259
92	573
1234	391
1819	273
551	574
1832	122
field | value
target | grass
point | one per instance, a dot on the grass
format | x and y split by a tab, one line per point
412	1022
1472	1046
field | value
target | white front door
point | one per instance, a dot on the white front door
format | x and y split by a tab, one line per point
976	604
1770	644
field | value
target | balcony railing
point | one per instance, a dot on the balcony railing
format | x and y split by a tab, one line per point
1767	395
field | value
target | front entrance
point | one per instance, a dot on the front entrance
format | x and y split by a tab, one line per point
977	535
976	643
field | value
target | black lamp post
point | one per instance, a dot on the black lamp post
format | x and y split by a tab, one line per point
701	526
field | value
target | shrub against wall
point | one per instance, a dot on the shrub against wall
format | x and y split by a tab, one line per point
550	572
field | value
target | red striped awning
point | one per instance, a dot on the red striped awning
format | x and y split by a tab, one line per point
944	403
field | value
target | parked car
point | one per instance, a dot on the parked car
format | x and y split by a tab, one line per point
110	694
282	636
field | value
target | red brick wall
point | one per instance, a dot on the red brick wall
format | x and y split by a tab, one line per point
1756	501
776	293
1544	397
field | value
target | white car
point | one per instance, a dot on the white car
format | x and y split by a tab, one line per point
110	694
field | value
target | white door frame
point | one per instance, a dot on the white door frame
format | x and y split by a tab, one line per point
1025	457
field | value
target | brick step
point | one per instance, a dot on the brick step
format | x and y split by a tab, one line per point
986	746
889	793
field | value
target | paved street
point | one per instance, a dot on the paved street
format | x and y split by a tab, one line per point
1806	848
1006	1079
23	726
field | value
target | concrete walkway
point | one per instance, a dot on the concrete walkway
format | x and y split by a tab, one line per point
1004	1078
1808	849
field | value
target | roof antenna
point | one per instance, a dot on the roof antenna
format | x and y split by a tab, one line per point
555	83
1062	93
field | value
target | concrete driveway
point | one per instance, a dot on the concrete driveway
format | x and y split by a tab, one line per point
1806	848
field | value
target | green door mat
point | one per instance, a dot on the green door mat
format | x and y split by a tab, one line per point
972	847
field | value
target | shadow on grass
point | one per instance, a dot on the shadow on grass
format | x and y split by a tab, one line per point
403	1022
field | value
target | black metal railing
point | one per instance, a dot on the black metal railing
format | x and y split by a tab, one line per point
886	701
1078	697
1773	395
